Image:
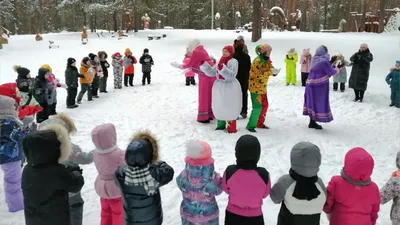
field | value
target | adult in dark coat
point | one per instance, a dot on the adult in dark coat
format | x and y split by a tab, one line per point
243	73
359	76
45	181
71	80
42	93
141	179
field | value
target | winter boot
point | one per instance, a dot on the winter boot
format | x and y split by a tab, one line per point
314	125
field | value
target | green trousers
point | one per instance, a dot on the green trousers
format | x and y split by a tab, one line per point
259	104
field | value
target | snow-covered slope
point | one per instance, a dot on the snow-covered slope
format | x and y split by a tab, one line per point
168	108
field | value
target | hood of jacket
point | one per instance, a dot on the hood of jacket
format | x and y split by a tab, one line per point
247	152
104	137
305	159
100	53
358	164
48	146
142	150
60	119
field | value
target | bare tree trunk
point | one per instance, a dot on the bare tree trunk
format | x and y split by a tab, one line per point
382	15
256	32
115	21
363	17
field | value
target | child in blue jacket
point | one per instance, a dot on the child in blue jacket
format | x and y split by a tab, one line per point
393	79
11	155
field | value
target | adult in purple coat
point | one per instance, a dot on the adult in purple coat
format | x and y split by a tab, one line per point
316	96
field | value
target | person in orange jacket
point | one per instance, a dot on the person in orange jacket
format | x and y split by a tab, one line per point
129	71
88	72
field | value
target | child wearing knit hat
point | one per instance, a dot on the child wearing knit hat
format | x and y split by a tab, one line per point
393	79
129	71
11	155
199	184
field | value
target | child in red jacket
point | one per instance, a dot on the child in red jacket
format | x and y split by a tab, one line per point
129	71
353	199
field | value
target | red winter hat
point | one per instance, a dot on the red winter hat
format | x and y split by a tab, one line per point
10	90
117	54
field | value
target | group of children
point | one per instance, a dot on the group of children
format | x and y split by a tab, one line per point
92	74
340	79
128	181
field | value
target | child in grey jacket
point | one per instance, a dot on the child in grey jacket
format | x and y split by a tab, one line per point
77	157
391	191
301	193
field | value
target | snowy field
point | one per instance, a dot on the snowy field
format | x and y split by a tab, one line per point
168	108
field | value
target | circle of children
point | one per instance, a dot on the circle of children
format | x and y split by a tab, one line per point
223	86
128	181
47	186
92	74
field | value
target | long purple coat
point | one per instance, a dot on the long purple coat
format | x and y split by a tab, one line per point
316	96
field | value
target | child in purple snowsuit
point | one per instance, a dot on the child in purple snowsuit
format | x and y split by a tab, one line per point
11	155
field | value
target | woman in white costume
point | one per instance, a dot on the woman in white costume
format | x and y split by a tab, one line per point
226	100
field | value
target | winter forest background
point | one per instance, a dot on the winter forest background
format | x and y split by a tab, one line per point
42	16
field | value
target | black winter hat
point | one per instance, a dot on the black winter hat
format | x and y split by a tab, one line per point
85	59
41	148
70	61
247	152
22	71
146	50
92	56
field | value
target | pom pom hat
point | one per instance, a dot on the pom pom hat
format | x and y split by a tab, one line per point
198	150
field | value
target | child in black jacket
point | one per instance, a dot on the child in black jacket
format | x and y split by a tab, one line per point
71	80
45	181
42	93
147	62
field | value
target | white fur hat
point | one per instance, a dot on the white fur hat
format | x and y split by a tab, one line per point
193	44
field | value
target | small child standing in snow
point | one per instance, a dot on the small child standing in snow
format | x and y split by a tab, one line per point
147	62
199	179
246	184
391	191
76	158
291	60
104	67
393	79
56	84
88	73
25	85
107	158
11	155
118	69
308	191
140	181
189	74
305	61
341	77
352	196
128	63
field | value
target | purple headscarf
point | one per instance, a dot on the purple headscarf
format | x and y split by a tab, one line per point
321	54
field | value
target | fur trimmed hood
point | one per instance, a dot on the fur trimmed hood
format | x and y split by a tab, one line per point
142	150
49	145
62	120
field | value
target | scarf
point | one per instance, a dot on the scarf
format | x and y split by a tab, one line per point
305	188
136	176
355	182
224	60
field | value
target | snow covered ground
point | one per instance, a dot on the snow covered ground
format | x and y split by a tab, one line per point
168	108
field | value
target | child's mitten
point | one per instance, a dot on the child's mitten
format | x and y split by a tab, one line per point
275	71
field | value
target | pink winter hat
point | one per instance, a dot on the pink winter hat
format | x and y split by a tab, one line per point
358	164
198	150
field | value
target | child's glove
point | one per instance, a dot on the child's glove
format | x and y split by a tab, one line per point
287	56
275	71
176	65
106	65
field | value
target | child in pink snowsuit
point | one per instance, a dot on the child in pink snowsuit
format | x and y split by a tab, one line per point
198	55
353	199
189	74
107	158
305	61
